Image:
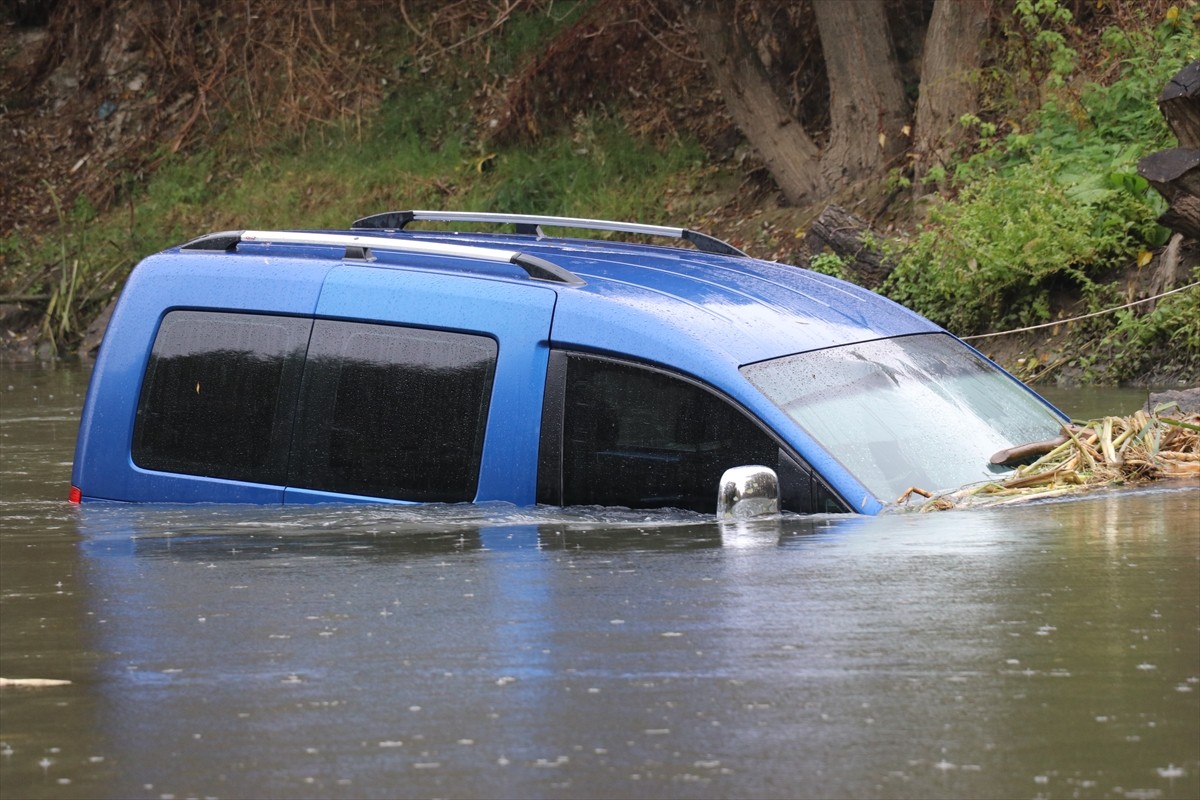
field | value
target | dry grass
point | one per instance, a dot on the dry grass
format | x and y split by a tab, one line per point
1113	451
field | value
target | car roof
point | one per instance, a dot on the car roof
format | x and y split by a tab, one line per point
746	308
643	300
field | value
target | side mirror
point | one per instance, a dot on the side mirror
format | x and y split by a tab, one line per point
748	492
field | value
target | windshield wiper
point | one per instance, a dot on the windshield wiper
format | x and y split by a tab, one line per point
1026	453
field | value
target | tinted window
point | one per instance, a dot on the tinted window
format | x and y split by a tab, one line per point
641	438
218	395
393	412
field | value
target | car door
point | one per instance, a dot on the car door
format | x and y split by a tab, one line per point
617	432
421	386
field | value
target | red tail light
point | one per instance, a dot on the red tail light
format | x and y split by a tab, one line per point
75	495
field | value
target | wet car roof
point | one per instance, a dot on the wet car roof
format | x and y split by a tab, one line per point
638	299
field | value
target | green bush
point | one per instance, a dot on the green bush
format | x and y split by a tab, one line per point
1162	342
1057	202
993	257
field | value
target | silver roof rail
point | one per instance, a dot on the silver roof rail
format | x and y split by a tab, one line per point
531	225
358	248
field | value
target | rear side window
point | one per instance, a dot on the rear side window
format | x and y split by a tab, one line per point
218	395
393	412
638	437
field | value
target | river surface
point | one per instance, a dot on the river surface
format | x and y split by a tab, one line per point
1044	651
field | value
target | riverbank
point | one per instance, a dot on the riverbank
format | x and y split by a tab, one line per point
1076	350
117	151
1072	351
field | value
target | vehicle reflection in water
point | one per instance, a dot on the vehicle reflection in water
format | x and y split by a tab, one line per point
396	635
494	651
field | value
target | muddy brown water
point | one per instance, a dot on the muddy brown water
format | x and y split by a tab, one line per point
1051	650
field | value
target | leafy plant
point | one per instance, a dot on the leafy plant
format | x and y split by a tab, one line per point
1041	24
994	256
828	263
1167	338
1054	202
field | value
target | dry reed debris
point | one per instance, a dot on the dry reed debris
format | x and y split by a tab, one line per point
1112	451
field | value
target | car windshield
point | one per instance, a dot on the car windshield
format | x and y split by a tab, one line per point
923	411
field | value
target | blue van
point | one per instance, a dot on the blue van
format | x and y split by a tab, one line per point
392	364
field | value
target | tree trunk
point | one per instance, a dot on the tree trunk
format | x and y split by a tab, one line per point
868	109
760	114
847	236
869	113
1175	173
949	81
1180	105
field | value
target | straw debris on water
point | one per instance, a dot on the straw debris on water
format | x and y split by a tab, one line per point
1113	451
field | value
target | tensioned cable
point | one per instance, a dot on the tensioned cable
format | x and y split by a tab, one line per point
1083	316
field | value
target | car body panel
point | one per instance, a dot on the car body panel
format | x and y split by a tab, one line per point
697	314
103	468
517	316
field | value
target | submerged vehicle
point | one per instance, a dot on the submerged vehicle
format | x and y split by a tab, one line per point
390	364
